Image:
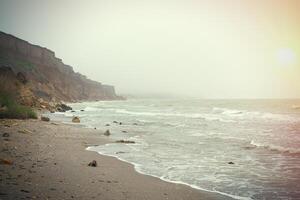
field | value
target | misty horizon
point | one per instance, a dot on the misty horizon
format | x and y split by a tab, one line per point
216	49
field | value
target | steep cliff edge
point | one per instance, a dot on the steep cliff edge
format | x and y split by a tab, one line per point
36	75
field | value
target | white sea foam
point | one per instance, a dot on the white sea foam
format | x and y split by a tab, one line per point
138	168
204	116
198	151
69	114
89	108
275	147
253	114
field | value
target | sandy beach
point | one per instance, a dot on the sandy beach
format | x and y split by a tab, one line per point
48	160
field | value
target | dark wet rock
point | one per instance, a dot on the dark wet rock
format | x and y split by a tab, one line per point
73	111
76	120
249	147
5	135
135	124
125	141
230	163
107	124
107	133
93	164
95	128
115	122
62	107
45	119
81	110
120	123
124	131
119	152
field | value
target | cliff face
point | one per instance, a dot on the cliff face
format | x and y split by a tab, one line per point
45	76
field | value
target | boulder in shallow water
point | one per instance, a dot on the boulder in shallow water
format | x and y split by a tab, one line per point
76	120
93	163
107	133
45	119
125	141
230	163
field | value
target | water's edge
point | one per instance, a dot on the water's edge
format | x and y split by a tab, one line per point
135	166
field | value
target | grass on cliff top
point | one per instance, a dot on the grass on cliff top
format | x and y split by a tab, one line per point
10	109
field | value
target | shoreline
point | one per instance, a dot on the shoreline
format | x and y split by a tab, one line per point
50	161
170	181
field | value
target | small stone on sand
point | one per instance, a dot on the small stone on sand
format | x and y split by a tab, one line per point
93	163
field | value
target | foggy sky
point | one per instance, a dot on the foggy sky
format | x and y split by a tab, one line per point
208	49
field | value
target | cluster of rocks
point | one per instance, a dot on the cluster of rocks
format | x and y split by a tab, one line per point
62	107
52	106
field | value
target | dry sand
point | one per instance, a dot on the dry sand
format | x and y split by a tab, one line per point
49	161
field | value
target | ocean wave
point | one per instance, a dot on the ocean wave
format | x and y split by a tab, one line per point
232	113
138	168
204	116
68	114
275	148
89	108
147	113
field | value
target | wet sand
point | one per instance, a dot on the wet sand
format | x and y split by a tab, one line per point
48	160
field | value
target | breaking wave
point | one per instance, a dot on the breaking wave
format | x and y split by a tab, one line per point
275	148
253	114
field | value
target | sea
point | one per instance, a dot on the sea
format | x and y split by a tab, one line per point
244	149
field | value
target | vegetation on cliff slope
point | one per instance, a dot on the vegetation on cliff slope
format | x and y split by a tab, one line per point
9	108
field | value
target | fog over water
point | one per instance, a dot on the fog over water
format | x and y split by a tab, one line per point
210	49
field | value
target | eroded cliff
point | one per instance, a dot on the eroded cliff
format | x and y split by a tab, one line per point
35	73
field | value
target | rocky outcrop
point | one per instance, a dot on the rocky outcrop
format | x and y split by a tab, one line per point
75	120
44	76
